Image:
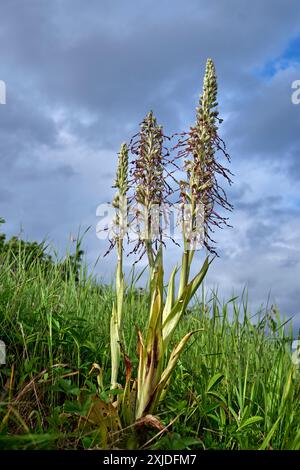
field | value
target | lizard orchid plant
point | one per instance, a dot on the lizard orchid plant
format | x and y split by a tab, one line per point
143	187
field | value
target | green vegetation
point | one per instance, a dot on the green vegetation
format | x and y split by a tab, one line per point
235	387
114	367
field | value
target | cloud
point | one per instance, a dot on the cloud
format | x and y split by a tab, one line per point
78	85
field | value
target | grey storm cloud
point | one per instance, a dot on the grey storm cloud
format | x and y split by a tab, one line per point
81	75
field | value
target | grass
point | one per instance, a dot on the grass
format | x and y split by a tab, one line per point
235	386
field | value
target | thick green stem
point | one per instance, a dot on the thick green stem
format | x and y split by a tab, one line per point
116	318
185	270
148	245
188	254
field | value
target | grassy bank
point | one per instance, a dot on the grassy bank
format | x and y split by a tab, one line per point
235	386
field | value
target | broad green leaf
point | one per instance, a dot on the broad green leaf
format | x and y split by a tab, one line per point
214	381
269	435
249	421
180	305
219	396
165	376
170	295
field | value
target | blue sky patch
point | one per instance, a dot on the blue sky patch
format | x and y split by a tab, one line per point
289	56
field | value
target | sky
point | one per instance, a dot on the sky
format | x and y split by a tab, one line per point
80	76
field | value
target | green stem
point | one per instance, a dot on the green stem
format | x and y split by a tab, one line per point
187	256
116	318
185	269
